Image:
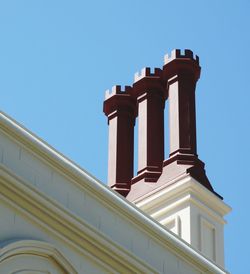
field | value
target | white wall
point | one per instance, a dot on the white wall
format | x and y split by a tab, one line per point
193	213
15	227
139	243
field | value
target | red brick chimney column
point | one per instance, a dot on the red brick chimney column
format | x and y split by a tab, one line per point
120	108
149	92
181	73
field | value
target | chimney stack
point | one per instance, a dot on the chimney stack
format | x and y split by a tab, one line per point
176	82
149	93
180	74
175	192
120	108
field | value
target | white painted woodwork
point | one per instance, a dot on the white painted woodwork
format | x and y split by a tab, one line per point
192	212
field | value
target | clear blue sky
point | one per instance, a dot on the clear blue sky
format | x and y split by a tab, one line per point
58	57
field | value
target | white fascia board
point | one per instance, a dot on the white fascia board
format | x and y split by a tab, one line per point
102	192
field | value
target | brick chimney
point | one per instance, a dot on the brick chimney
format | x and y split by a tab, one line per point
149	93
180	74
176	82
176	191
119	107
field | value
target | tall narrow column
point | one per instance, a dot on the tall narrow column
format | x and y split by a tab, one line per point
120	107
180	74
149	92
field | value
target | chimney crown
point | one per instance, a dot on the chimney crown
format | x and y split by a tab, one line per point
176	54
119	99
148	82
185	64
117	90
146	73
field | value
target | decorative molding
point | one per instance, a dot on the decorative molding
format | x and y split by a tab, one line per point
35	248
183	187
176	220
205	223
184	200
68	227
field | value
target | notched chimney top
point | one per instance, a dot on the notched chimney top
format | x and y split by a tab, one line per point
177	54
146	72
117	90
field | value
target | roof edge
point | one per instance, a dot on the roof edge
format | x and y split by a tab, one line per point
102	192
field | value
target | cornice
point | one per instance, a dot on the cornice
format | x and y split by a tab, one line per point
73	229
184	187
184	200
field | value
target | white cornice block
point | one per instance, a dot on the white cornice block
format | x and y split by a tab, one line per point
192	212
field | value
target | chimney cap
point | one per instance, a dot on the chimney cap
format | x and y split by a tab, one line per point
146	72
117	89
119	98
177	54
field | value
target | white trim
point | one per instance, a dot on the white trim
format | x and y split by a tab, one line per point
184	200
37	248
122	206
204	222
177	224
66	226
179	188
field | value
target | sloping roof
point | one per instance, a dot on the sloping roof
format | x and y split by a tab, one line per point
121	206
